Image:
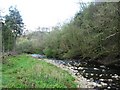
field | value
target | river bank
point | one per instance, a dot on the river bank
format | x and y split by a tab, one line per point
23	71
90	75
83	82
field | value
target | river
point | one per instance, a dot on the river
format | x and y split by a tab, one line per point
92	71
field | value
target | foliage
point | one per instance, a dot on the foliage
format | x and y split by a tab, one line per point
31	43
12	28
25	46
93	33
7	38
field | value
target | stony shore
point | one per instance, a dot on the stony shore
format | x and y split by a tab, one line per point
85	76
82	82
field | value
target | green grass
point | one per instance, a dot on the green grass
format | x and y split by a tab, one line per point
24	71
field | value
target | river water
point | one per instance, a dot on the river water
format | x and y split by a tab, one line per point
110	75
92	71
99	73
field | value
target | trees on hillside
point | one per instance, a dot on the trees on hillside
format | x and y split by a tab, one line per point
92	34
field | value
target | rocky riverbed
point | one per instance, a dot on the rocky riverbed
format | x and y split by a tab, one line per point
83	83
90	75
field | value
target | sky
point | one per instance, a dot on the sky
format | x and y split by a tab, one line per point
43	13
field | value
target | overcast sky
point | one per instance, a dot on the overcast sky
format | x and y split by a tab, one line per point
43	12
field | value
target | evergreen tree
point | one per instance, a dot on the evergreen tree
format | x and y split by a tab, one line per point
12	28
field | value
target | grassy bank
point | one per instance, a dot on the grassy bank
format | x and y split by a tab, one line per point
23	71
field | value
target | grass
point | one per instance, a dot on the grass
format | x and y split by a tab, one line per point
23	71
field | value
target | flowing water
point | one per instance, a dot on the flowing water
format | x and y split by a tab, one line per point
107	75
99	73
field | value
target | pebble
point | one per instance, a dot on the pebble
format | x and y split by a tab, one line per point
99	85
72	67
110	74
100	75
115	76
108	87
69	65
103	70
95	84
75	67
87	74
101	79
80	68
91	79
110	80
83	71
91	74
95	68
103	84
75	71
88	80
102	66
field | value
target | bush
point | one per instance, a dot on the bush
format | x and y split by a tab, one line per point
25	47
48	52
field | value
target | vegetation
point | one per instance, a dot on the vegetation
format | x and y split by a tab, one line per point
92	34
33	43
23	71
12	28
